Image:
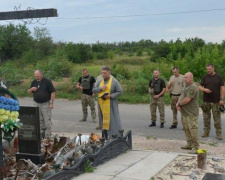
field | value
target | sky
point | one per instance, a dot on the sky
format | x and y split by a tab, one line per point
89	21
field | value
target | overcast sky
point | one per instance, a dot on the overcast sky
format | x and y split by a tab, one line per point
89	21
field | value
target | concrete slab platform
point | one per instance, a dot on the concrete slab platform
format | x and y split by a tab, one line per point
148	167
93	176
133	165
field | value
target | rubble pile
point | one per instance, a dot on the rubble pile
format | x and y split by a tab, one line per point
60	153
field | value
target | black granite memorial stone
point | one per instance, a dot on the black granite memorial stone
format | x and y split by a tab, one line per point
211	176
29	135
1	150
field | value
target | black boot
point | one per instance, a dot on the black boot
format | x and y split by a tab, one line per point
162	125
173	126
153	124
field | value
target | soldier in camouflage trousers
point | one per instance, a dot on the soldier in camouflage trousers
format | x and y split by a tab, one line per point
188	105
86	83
212	86
157	88
206	108
175	84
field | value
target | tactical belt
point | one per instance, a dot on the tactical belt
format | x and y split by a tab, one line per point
175	94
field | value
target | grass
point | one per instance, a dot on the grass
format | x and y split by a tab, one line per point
212	143
133	73
150	137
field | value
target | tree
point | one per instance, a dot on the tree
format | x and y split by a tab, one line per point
43	44
14	40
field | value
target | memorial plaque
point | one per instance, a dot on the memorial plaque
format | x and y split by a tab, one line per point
29	135
1	150
211	176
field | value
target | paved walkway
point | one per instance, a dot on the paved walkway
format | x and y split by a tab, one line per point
133	165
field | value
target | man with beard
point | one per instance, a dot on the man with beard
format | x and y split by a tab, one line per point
212	86
108	90
176	84
157	88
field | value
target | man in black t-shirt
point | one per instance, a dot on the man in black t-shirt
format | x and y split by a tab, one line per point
157	88
44	96
212	85
85	84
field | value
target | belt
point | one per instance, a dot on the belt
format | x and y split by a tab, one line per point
175	94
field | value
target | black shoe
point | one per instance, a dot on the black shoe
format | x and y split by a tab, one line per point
162	125
173	126
153	124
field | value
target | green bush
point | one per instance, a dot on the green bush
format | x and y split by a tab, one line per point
55	68
10	74
120	72
110	54
139	52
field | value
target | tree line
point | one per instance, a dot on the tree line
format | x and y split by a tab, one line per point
192	54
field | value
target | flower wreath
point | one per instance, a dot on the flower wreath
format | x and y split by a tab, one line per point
9	107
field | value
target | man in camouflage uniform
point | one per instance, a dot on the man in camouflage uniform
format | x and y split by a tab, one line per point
176	84
85	84
212	85
157	88
188	105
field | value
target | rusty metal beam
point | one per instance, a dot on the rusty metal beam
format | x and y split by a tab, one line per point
28	14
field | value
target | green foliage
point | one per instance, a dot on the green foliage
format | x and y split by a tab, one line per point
110	54
88	168
60	60
55	68
10	74
120	72
30	57
14	40
78	53
139	52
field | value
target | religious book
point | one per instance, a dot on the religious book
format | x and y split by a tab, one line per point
102	96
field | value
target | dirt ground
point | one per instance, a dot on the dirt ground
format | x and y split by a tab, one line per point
184	167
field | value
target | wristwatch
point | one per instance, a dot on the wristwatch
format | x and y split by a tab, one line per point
221	99
51	102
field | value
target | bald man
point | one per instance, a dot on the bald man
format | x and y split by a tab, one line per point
44	96
188	105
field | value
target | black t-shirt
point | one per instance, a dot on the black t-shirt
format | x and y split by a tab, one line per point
92	81
161	82
213	83
43	93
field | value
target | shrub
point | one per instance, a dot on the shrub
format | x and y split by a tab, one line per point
110	54
10	74
120	72
55	68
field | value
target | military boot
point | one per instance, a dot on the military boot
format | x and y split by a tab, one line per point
162	125
82	120
205	134
153	124
193	151
173	126
219	136
186	147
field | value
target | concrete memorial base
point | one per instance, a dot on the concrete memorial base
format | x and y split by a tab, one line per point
35	158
